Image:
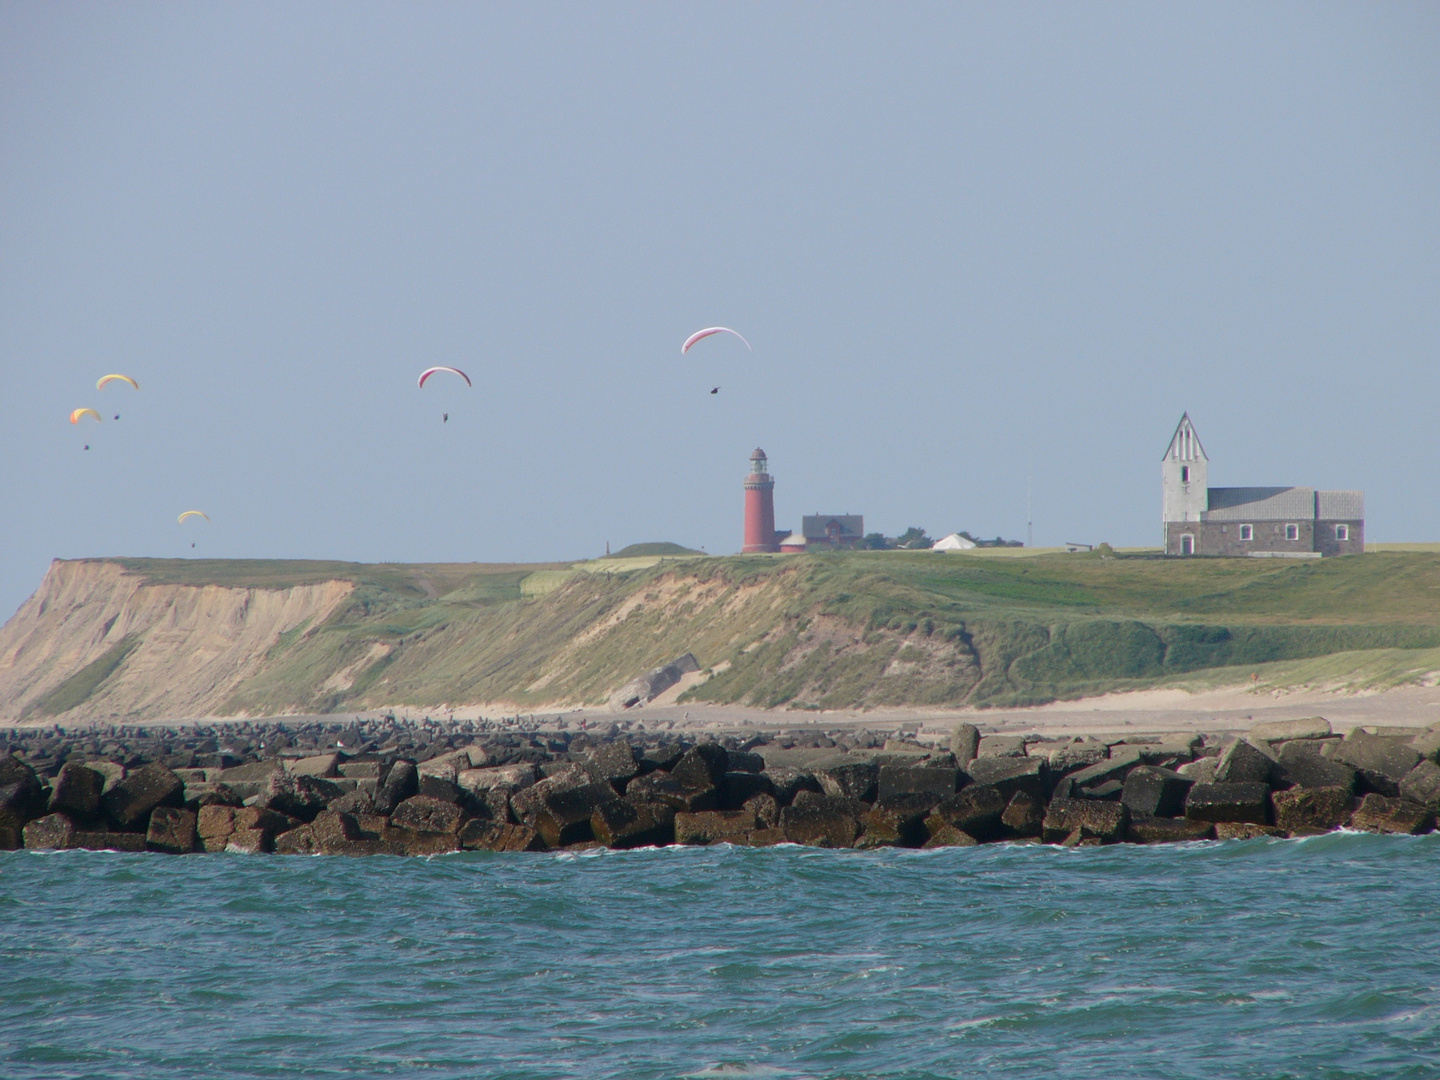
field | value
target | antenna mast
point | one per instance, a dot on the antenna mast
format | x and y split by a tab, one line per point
1029	522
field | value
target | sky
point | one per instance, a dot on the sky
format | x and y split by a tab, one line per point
986	254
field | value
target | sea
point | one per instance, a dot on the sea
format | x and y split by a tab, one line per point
1315	958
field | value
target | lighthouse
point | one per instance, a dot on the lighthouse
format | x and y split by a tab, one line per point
759	506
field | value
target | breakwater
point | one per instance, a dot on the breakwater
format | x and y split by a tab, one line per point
400	788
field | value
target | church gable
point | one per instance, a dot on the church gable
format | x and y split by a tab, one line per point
1185	443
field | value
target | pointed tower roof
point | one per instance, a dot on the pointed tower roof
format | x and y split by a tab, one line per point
1185	443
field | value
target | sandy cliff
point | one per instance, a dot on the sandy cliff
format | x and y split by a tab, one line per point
134	639
172	650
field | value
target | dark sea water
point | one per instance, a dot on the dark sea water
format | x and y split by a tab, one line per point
1313	958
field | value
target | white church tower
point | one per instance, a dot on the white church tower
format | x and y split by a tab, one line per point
1185	476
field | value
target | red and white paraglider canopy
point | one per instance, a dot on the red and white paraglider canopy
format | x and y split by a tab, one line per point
707	332
453	371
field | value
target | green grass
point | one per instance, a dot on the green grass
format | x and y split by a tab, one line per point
1361	670
1064	625
544	581
78	688
658	548
830	630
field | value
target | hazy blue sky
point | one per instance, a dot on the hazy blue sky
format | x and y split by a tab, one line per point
968	242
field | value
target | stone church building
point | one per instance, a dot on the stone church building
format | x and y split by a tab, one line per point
1295	522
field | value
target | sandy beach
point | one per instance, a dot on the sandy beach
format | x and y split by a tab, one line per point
1136	713
1140	712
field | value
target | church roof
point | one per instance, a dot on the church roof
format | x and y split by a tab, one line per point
1261	504
1185	443
1284	504
1340	505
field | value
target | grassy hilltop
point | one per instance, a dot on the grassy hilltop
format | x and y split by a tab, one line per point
938	629
833	630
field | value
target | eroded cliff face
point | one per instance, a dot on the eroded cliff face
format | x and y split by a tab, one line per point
110	645
168	639
106	640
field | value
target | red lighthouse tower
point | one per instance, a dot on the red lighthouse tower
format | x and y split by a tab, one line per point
759	506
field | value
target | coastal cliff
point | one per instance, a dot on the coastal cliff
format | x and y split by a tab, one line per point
98	639
132	639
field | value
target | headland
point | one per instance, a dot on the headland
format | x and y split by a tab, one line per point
133	640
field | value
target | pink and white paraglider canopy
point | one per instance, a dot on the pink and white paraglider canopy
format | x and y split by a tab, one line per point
453	371
706	333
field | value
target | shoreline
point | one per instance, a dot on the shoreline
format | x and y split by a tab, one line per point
1160	711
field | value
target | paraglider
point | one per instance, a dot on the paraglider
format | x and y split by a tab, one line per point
714	391
76	415
191	513
116	378
707	332
445	417
453	371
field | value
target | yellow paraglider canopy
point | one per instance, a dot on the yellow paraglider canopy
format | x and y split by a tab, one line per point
76	414
191	513
116	378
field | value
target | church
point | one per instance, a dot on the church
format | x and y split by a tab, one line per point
1283	522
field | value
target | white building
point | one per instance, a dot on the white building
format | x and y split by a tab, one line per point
1299	522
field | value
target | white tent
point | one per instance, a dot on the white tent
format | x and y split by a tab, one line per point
953	542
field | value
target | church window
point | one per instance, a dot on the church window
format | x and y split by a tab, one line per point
1184	474
1292	532
1247	532
1342	532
